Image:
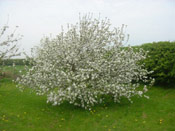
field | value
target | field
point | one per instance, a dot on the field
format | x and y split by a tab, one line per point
24	111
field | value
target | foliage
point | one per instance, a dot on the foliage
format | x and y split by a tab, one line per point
161	60
81	66
10	62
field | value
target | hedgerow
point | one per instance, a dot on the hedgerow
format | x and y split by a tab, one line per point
161	60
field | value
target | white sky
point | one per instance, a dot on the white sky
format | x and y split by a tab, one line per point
147	20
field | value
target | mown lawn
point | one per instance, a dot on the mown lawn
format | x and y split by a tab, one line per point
24	111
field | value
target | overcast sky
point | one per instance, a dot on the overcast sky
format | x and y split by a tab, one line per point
147	20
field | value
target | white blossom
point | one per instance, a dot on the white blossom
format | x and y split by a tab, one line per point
80	66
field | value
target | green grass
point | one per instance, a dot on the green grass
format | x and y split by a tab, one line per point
14	70
24	111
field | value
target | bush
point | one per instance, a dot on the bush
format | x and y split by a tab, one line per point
81	67
161	60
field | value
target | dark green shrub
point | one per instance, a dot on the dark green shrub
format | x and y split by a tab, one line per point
161	60
10	62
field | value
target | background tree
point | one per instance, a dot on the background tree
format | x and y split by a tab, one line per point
8	46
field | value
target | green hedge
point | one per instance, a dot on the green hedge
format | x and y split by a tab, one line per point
9	62
161	60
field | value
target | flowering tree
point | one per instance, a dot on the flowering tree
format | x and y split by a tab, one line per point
84	64
8	46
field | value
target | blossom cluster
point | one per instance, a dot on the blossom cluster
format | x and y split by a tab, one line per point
86	63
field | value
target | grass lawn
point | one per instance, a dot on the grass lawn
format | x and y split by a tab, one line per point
13	70
24	111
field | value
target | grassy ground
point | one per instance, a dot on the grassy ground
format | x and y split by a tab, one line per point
24	111
13	70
